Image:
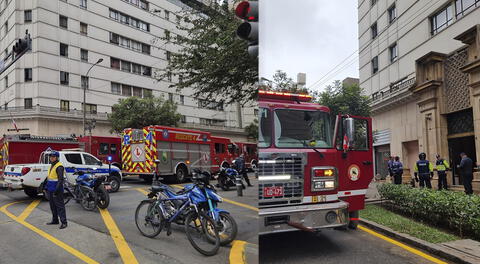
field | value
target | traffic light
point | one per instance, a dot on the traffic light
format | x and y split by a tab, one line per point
248	30
22	45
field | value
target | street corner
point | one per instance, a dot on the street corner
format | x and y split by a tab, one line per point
243	252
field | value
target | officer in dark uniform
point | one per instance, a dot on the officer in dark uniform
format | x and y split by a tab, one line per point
397	169
241	168
54	187
424	170
442	166
466	166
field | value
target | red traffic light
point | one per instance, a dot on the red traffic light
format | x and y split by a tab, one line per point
247	10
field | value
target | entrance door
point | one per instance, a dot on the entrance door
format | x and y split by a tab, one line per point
457	146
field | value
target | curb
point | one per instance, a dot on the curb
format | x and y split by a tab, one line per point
437	250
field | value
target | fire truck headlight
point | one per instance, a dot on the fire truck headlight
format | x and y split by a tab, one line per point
329	184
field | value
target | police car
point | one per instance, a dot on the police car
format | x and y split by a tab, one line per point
30	177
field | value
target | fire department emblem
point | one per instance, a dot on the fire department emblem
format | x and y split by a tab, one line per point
165	134
354	172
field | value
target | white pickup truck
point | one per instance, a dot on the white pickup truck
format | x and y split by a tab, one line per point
31	177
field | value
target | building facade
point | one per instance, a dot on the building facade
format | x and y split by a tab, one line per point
43	91
419	61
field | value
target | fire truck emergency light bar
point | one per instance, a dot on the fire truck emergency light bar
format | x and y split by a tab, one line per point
285	96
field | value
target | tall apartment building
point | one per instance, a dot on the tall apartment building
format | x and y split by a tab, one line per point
43	91
420	63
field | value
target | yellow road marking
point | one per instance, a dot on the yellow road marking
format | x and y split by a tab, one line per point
412	250
120	242
47	236
28	210
237	252
141	190
230	201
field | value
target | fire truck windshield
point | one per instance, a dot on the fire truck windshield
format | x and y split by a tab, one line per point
298	129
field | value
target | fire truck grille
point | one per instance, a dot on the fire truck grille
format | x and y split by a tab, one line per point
292	166
292	193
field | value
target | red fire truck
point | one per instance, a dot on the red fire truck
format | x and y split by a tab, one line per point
250	152
103	147
313	173
222	153
25	148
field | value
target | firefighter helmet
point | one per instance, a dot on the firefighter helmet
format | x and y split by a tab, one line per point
422	156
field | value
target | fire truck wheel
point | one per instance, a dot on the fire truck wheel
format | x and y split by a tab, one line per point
181	174
31	192
114	183
352	224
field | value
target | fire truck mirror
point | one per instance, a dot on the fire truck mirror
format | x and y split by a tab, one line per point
349	128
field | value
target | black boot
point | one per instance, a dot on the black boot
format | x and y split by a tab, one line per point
64	225
53	223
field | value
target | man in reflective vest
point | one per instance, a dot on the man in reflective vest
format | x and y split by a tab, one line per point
54	188
442	167
424	170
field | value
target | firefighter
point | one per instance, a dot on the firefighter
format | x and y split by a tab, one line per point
54	187
442	167
397	170
240	165
424	171
466	166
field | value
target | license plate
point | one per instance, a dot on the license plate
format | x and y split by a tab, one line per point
108	187
274	191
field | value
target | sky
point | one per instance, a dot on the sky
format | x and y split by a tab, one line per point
310	36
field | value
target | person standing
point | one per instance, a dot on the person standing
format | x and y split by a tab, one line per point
423	170
466	167
389	166
240	165
397	170
442	167
54	187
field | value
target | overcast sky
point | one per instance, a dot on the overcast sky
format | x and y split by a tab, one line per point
311	36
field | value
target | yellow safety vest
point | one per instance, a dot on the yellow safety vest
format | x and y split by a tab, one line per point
52	172
443	166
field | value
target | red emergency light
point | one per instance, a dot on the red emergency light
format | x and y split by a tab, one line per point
246	10
284	96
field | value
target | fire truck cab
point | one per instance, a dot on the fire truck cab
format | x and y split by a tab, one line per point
314	170
222	154
250	152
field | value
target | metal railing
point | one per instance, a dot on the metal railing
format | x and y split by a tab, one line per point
393	89
47	110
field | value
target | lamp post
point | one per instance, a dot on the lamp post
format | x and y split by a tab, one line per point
84	96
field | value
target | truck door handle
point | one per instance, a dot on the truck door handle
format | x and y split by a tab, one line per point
367	162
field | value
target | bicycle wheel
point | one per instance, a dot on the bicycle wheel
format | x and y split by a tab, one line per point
88	198
227	228
103	197
148	218
200	230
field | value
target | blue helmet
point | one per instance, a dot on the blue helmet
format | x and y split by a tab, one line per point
55	153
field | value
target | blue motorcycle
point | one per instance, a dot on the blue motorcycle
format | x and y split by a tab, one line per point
85	179
227	178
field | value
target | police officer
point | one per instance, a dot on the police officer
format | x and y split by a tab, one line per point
389	166
54	189
240	164
466	166
423	170
442	167
397	170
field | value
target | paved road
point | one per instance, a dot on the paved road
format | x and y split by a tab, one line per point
332	246
90	237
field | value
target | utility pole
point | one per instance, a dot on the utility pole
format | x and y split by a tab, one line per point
84	97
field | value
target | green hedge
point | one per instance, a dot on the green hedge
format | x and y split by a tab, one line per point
455	210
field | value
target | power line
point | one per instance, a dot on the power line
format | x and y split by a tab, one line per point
332	69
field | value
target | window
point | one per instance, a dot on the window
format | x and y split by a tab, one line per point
137	91
90	108
183	119
374	30
63	50
64	105
90	160
116	88
126	66
125	42
442	19
63	21
114	38
83	3
115	63
145	49
113	14
143	4
74	158
219	148
167	15
182	99
84	81
168	55
28	75
84	55
124	19
170	97
103	149
6	81
392	13
136	46
83	28
136	68
147	93
126	90
393	52
27	16
465	6
374	65
167	35
147	71
113	149
27	103
134	2
64	78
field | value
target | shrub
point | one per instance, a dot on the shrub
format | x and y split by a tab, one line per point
456	210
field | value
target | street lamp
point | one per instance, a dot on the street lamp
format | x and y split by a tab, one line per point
84	96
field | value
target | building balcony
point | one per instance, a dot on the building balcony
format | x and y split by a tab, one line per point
46	112
214	128
396	93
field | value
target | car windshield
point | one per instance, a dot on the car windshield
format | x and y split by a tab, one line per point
302	129
265	131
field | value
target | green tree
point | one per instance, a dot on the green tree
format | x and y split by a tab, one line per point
252	130
213	61
283	83
134	112
345	99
